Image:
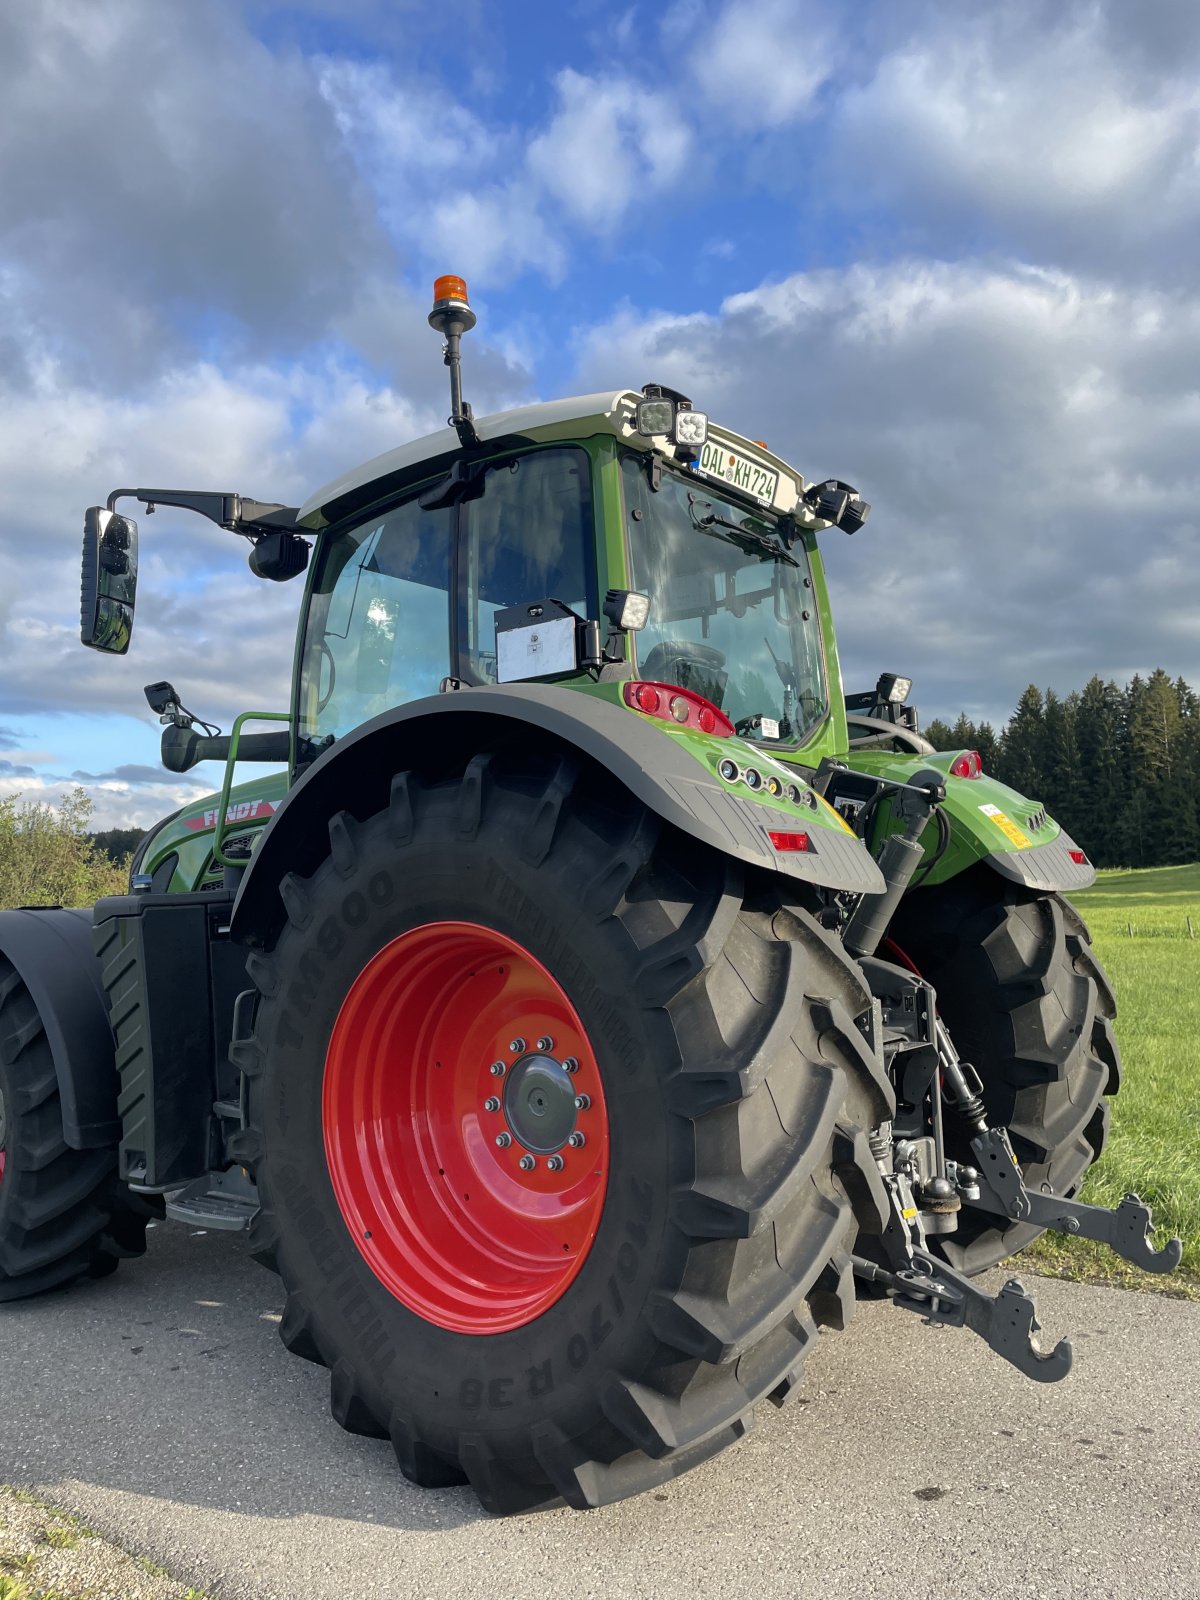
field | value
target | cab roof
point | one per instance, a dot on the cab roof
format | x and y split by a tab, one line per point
576	417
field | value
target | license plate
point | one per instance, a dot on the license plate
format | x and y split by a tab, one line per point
740	472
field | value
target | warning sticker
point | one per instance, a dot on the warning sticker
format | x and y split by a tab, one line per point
1007	826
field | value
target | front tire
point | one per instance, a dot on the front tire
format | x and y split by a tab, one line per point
1028	1004
729	1093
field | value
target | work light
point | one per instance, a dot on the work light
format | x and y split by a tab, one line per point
627	609
655	417
893	688
691	427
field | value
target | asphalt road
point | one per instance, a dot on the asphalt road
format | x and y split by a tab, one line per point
161	1406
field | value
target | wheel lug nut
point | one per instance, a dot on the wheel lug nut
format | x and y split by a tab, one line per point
497	1069
516	1046
545	1044
527	1163
577	1141
582	1102
555	1164
504	1140
491	1103
570	1064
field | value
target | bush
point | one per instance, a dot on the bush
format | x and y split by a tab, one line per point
46	857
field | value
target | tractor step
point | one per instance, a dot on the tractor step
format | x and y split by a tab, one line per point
218	1200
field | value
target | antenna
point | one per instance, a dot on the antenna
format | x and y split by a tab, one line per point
452	317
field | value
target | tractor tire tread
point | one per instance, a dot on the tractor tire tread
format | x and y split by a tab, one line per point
1029	1005
767	1235
63	1214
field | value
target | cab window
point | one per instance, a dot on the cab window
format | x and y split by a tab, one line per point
378	630
526	536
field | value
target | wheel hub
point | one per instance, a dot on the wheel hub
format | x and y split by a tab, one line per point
539	1104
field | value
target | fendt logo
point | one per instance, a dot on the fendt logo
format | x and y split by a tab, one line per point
244	811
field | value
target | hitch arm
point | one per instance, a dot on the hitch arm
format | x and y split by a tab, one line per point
1125	1229
1005	1322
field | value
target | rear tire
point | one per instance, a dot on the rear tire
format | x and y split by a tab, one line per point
736	1088
63	1213
1028	1004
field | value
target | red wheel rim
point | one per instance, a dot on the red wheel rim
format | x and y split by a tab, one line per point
465	1127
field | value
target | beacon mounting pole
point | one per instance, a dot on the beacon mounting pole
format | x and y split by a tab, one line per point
452	317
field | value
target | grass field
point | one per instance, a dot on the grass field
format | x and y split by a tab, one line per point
1139	923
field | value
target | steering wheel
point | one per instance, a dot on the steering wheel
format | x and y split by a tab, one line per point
699	667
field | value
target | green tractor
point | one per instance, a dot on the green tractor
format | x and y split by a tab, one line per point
599	999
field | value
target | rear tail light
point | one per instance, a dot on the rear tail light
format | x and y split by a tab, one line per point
1078	857
682	707
967	765
790	841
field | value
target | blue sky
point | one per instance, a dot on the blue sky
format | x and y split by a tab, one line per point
945	252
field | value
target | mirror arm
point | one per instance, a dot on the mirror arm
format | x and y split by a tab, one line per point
184	748
237	513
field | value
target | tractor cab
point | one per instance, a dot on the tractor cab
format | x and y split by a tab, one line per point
567	560
607	538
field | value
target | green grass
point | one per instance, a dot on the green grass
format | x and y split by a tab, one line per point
1139	924
74	1553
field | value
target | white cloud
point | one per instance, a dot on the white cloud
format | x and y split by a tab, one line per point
401	126
1026	437
1037	128
610	141
201	614
759	63
154	174
492	200
496	234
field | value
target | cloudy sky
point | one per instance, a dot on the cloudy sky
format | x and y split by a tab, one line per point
946	251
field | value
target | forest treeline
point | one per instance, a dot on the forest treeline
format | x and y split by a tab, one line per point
1119	768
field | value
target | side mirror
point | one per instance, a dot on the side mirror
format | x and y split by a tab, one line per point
108	586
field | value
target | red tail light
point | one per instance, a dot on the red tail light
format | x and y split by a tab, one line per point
790	841
681	707
967	765
1078	857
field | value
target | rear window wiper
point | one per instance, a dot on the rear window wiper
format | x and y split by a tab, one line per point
737	532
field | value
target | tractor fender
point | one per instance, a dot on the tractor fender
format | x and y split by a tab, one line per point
51	948
1058	866
443	731
990	823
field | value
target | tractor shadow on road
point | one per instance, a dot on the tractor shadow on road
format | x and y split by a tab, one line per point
169	1379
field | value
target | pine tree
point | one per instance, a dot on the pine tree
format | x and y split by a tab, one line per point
1022	749
988	746
1119	769
1154	717
1061	776
1099	820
